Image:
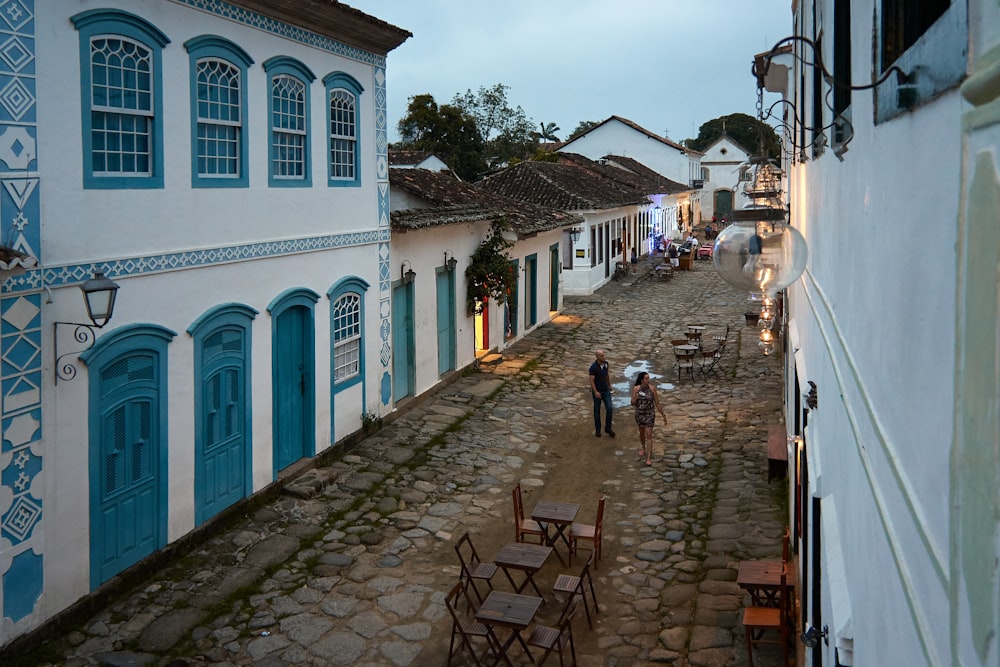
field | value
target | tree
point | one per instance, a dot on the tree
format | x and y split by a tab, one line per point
490	272
447	131
756	136
584	127
507	132
548	132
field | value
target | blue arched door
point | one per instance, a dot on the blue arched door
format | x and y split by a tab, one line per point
128	448
223	442
293	377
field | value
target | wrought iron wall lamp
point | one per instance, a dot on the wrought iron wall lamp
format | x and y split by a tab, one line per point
449	259
906	91
99	297
406	272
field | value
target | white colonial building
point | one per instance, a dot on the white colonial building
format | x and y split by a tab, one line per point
723	172
224	164
620	136
894	181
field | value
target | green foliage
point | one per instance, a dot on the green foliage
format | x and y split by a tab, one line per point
445	130
545	156
582	128
548	132
490	273
507	132
757	137
370	422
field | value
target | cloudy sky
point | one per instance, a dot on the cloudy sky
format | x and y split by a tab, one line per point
668	65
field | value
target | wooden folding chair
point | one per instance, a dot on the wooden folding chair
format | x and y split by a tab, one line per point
582	532
466	629
472	567
557	638
567	583
759	620
522	526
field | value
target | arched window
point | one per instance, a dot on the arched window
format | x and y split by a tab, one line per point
342	93
347	331
218	112
122	111
288	122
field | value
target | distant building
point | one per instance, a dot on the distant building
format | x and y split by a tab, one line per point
723	173
620	136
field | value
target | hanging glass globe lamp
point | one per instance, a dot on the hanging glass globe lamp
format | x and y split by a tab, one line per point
759	252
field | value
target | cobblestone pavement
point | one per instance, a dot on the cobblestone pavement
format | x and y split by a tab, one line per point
351	563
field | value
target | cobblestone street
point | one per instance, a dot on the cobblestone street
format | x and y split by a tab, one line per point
351	563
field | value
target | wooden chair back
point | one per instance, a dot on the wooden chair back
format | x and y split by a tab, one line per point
473	567
522	526
465	629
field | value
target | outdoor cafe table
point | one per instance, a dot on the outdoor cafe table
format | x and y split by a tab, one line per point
762	579
559	516
511	611
527	558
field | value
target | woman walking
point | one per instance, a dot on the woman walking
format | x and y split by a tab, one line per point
646	403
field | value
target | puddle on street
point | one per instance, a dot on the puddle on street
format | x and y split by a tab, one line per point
623	390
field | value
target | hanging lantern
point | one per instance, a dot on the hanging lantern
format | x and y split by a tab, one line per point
759	252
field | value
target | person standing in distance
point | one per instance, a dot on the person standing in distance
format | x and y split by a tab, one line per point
646	403
600	387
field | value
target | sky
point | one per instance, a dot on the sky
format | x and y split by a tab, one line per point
667	65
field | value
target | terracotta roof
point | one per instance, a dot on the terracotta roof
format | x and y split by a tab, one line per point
562	186
627	171
451	201
638	128
334	20
408	157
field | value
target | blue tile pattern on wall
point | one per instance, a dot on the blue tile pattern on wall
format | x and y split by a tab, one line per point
21	446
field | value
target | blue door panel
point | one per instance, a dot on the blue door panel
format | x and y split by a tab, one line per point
128	483
293	386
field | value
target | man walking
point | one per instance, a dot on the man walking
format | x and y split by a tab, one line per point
600	387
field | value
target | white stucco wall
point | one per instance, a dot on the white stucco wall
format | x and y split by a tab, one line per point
873	321
136	222
615	138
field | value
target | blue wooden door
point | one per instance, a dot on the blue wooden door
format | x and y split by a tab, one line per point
531	289
128	511
445	284
293	386
222	455
554	277
403	362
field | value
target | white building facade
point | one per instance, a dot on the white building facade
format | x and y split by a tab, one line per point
225	165
896	187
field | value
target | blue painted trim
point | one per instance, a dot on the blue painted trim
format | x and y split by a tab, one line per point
228	315
132	338
116	22
348	285
343	81
278	66
75	274
294	296
230	310
213	46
